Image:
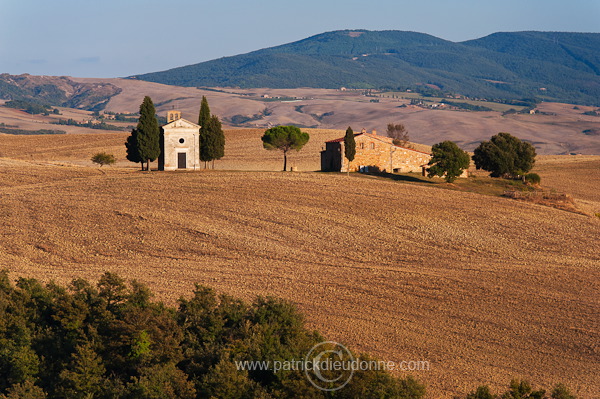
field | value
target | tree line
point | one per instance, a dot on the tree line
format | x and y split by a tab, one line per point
143	145
112	340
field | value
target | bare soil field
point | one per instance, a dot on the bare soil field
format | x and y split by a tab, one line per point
22	120
484	288
244	149
559	131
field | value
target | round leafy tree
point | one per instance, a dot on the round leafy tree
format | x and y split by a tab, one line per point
448	160
505	155
284	138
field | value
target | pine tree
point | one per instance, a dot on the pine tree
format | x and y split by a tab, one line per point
349	146
203	121
148	133
84	376
284	138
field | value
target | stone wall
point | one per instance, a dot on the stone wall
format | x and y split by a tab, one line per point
374	153
378	152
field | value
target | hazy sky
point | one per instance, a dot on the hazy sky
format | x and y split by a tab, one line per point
113	38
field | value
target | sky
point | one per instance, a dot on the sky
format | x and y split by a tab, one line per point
118	38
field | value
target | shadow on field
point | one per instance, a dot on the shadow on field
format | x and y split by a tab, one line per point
405	178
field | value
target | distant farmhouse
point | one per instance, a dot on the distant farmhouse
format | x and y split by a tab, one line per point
373	153
179	147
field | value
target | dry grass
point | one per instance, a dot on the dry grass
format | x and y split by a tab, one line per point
485	288
577	175
561	201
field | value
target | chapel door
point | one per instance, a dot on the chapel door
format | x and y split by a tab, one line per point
181	160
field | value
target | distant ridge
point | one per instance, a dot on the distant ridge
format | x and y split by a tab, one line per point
553	66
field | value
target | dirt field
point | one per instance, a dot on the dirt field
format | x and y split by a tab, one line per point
559	131
486	289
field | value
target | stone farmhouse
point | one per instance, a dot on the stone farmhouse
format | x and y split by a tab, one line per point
373	152
179	148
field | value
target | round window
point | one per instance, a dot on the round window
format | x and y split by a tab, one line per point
182	141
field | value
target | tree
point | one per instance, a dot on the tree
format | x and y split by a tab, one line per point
26	390
204	115
284	138
148	133
349	146
203	121
213	141
133	153
398	133
102	158
505	155
84	377
522	390
561	391
483	392
448	160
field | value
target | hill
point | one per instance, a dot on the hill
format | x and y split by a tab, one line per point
56	90
556	129
485	288
543	65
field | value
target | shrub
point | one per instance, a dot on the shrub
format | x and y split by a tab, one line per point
533	178
103	158
521	390
561	391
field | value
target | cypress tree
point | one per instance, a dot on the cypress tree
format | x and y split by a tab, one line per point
133	154
203	121
219	138
148	133
213	142
349	146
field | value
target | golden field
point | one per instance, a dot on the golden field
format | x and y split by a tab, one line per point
484	288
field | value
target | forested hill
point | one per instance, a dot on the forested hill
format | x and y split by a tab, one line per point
546	65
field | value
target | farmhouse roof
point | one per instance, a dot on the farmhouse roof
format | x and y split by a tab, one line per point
384	139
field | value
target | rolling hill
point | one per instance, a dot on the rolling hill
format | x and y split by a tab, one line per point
57	91
485	288
544	65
